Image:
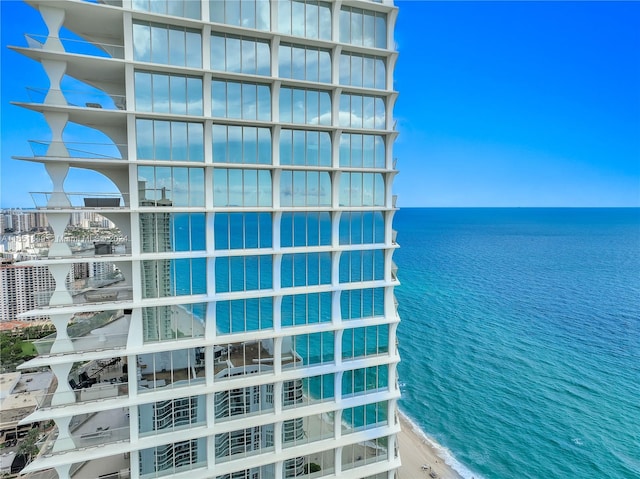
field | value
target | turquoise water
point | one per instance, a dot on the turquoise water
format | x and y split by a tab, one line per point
520	338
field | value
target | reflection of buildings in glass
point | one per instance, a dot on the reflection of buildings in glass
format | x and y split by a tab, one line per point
155	235
251	332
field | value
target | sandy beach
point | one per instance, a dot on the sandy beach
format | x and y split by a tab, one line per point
415	451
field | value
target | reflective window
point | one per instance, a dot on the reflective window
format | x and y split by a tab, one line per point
301	309
361	111
305	229
170	323
356	419
167	415
305	147
362	151
169	45
243	442
174	277
176	94
169	140
357	266
358	381
241	315
312	107
231	360
305	269
316	389
240	402
169	459
183	8
243	273
362	27
243	230
362	303
235	187
241	144
240	54
170	369
160	232
243	13
305	188
170	186
304	63
361	189
361	227
305	18
362	70
308	349
367	341
249	101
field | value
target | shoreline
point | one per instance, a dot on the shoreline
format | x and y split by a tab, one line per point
418	450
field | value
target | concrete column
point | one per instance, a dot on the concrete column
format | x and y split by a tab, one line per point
53	19
61	295
57	122
63	471
64	442
55	70
63	394
62	342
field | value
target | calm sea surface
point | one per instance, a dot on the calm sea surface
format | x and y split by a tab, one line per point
520	338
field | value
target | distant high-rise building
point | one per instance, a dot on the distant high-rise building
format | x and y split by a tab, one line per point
248	329
20	288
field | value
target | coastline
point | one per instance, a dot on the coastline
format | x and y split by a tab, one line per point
417	449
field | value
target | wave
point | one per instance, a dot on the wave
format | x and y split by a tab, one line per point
444	453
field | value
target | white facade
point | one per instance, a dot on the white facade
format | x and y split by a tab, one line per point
19	285
250	329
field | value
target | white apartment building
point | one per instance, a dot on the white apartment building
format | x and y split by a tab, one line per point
249	327
19	287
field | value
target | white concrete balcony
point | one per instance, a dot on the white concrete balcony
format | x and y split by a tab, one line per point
78	150
111	467
81	200
90	332
97	380
88	295
79	98
91	343
76	46
108	289
88	430
101	248
84	437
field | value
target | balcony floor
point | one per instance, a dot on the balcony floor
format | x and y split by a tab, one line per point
102	467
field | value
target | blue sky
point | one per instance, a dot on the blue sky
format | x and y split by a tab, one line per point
501	104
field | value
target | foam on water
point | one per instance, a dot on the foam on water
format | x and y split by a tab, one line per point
444	453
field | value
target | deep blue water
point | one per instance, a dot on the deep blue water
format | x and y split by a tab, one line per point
520	338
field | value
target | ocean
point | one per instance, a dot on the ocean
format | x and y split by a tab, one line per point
520	338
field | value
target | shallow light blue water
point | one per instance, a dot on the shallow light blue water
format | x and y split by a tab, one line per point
520	338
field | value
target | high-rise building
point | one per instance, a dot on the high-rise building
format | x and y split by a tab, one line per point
20	286
249	328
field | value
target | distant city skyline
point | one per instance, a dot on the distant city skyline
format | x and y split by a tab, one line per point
501	104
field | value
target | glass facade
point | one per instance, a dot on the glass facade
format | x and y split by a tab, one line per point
255	303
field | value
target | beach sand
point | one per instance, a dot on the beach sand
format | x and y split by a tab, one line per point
415	451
